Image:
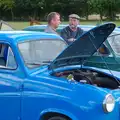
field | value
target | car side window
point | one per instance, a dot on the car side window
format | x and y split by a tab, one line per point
7	59
114	41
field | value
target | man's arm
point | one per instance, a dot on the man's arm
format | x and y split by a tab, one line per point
64	34
81	31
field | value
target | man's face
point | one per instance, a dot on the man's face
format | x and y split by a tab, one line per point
56	21
73	22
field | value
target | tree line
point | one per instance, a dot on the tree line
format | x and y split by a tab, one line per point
24	9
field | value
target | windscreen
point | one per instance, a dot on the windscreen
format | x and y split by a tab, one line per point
40	52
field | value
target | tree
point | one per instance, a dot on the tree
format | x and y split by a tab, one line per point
35	8
8	5
97	6
107	8
111	8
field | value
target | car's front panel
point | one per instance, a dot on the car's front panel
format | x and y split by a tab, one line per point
46	91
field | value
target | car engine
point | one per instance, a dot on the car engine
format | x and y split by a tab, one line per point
90	77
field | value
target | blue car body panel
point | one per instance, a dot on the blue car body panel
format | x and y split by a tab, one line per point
29	94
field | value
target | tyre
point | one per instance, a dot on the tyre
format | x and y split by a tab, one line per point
57	118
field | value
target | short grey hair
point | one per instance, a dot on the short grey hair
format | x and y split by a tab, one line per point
51	16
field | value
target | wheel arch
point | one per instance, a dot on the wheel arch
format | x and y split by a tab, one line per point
52	111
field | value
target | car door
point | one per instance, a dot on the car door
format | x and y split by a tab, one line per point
10	92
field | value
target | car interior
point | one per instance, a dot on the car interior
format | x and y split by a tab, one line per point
7	59
3	54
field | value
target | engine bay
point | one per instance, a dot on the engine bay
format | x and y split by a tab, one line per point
90	77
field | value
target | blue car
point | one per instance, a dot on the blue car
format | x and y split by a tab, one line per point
39	82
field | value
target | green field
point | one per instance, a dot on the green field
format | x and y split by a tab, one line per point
21	25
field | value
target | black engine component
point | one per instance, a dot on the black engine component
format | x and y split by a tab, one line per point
91	77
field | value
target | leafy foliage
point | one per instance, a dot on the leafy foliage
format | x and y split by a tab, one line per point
40	8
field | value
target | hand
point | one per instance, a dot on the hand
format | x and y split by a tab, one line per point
71	39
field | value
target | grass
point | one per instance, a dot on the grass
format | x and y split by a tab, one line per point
21	25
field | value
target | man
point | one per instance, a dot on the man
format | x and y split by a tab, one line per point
53	19
72	32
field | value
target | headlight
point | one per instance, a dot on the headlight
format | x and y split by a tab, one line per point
108	103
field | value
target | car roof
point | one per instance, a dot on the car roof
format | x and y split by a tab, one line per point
61	26
21	36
